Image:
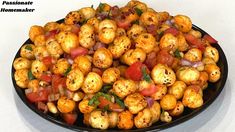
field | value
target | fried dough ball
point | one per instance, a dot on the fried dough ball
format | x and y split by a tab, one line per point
86	36
182	23
61	66
54	48
130	17
122	88
92	83
74	79
177	89
165	117
149	18
125	120
182	43
169	41
207	60
27	51
37	68
83	63
143	119
135	31
51	26
84	107
193	97
107	24
40	40
137	4
163	16
168	102
73	17
188	74
21	63
94	22
102	58
120	46
111	75
113	119
162	90
21	78
65	105
33	84
212	53
99	119
193	55
87	12
178	110
67	40
34	31
145	41
213	72
162	74
106	35
135	102
40	52
133	55
195	33
155	111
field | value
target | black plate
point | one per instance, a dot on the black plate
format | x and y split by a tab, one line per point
209	95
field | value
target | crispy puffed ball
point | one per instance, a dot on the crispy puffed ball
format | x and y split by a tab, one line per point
137	4
182	43
61	66
84	107
54	48
74	79
51	26
34	31
177	89
106	35
21	63
213	72
212	53
143	119
122	88
27	51
135	31
182	23
145	41
188	74
163	16
21	78
135	102
130	17
102	58
92	83
193	97
113	119
83	63
99	119
162	90
119	46
208	60
33	84
73	17
38	68
155	110
87	12
195	33
95	23
40	52
165	117
133	55
178	110
65	105
168	102
149	18
125	120
193	55
120	32
169	41
107	24
40	40
86	36
111	75
67	40
162	74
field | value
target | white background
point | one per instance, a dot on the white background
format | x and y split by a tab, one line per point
214	16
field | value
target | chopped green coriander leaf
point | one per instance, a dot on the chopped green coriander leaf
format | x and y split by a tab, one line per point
119	101
95	99
101	7
67	71
146	76
106	88
177	54
30	75
28	47
135	22
138	11
92	6
106	108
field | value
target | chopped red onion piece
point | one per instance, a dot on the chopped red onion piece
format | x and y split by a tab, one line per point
98	45
70	61
150	101
29	90
196	64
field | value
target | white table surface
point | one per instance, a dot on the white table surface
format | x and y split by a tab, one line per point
214	16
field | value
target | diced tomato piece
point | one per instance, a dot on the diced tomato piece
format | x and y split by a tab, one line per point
70	118
123	23
164	57
149	91
210	39
78	51
172	31
115	107
112	106
58	81
152	29
48	61
46	77
134	71
41	95
151	60
195	42
51	34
